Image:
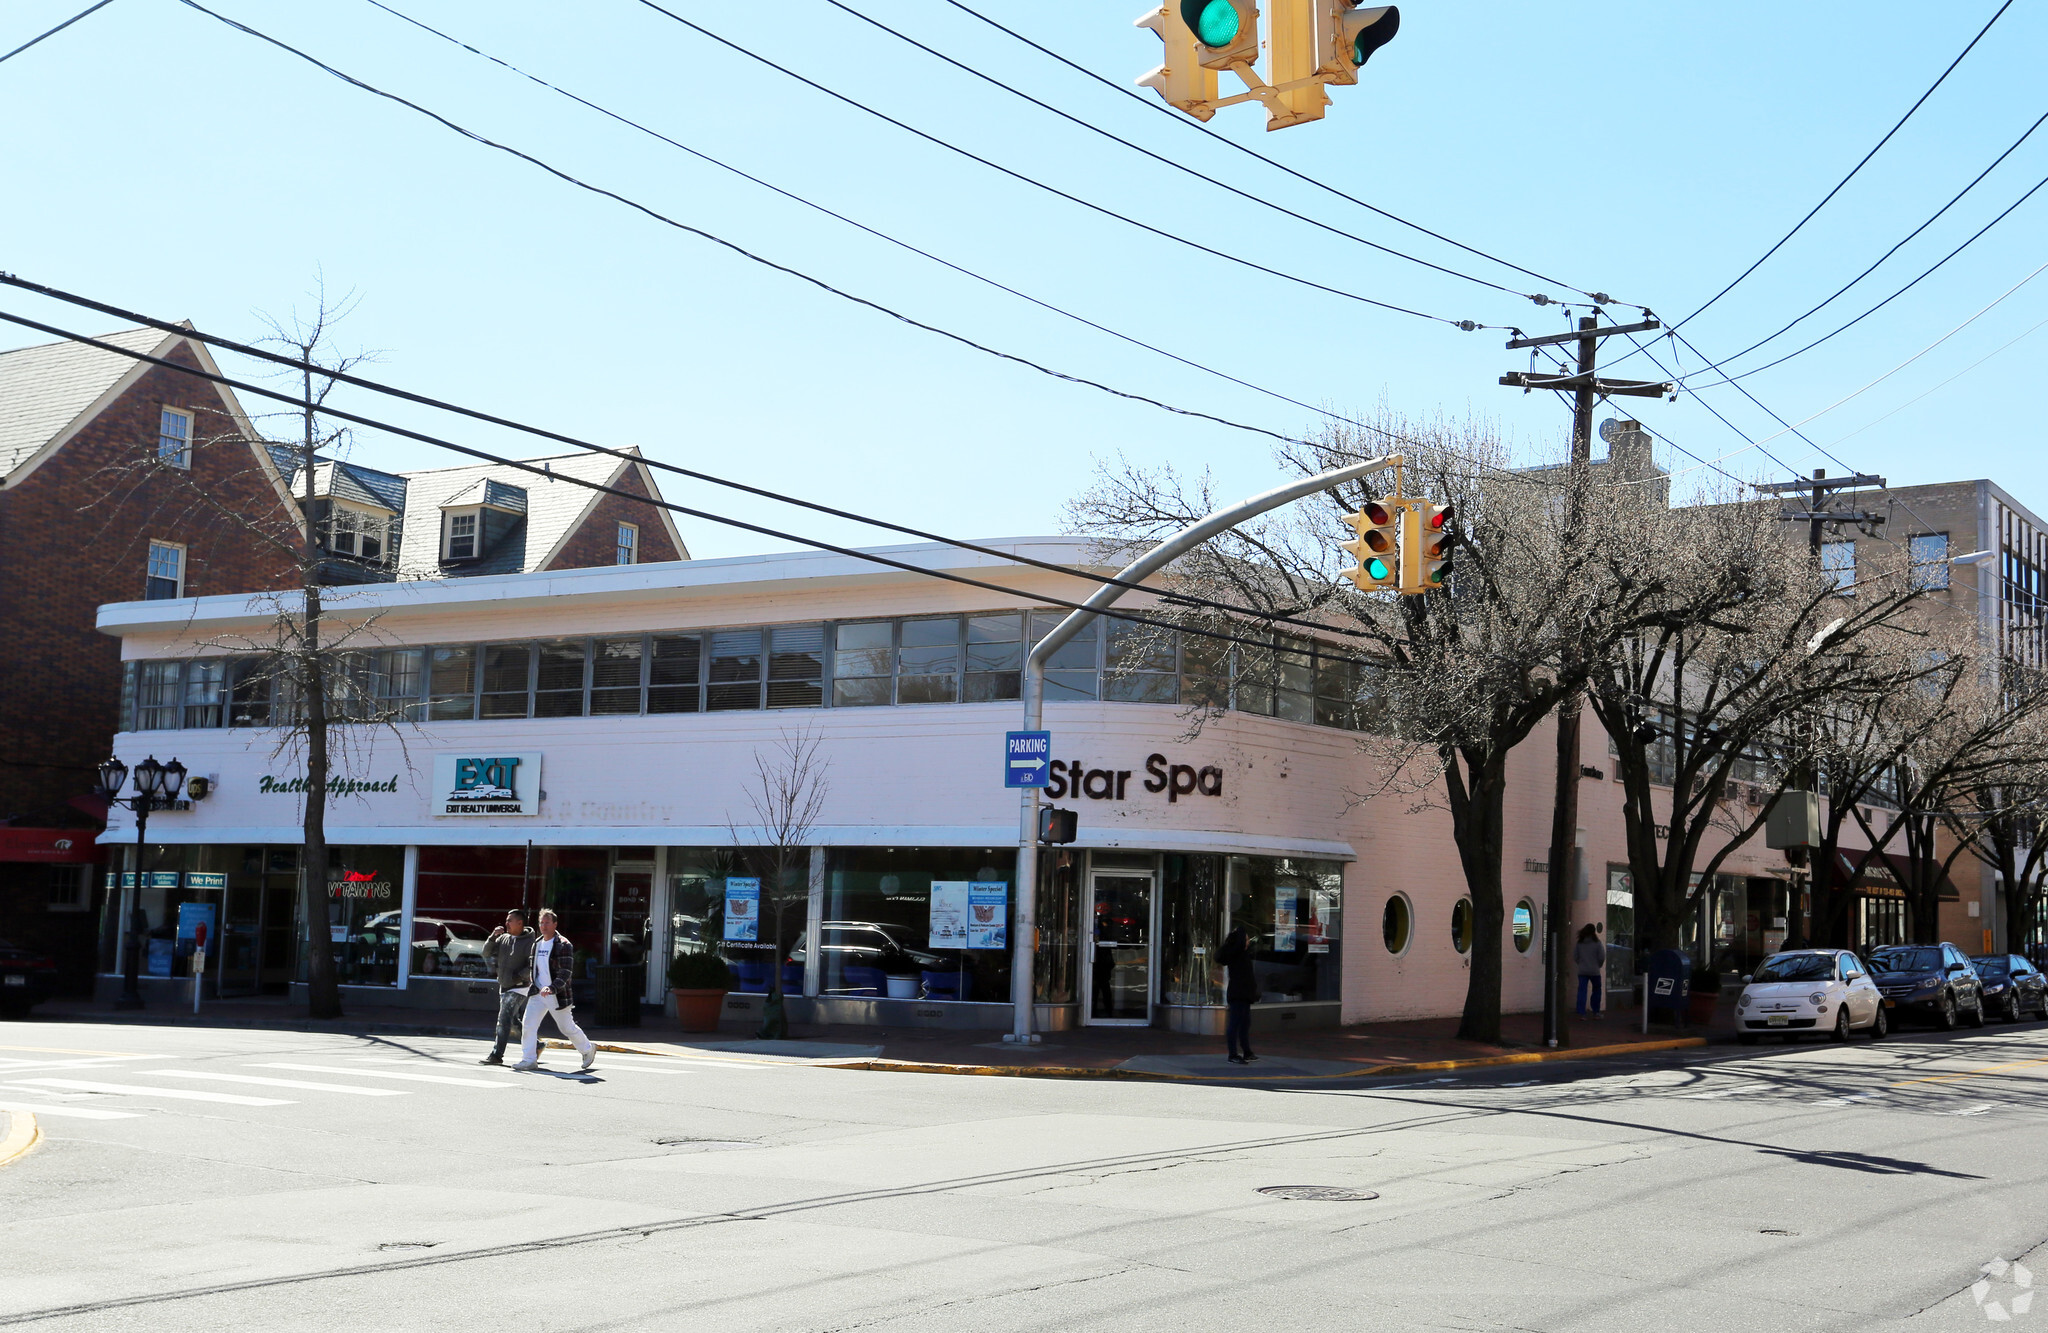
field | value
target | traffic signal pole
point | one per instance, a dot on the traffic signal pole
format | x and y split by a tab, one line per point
1024	945
1587	389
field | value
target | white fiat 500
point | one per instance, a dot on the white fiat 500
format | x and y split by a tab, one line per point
1810	992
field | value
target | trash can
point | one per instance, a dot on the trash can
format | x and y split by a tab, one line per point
617	993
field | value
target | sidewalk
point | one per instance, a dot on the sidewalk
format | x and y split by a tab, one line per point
1363	1050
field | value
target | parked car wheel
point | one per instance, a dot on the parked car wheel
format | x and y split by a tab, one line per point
1977	1014
1881	1026
1945	1015
1841	1032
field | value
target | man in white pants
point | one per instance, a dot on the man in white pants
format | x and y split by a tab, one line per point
553	971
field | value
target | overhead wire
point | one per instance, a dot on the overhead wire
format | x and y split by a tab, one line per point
1178	118
540	468
1861	163
43	36
1164	160
875	232
1944	384
557	437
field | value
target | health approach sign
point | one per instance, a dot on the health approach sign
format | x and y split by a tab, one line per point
1027	757
506	784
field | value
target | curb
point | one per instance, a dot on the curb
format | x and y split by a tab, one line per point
1151	1076
22	1134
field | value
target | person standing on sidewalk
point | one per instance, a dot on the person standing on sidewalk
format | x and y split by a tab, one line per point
1589	955
554	969
510	949
1240	988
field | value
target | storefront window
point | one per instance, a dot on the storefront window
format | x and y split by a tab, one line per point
464	893
1293	910
1056	972
1524	928
722	900
917	923
1191	929
363	888
1461	926
1396	924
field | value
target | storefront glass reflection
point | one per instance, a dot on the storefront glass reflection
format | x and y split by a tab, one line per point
916	923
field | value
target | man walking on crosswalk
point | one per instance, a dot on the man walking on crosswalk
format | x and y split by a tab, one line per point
510	950
554	969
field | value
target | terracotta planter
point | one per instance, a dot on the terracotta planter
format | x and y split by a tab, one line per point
1701	1007
698	1010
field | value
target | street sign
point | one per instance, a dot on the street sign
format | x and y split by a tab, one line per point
1027	758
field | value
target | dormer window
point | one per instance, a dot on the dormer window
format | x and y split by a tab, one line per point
461	536
357	532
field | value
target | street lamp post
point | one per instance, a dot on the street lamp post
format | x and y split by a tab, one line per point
154	782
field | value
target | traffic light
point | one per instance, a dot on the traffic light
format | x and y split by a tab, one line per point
1295	62
1375	550
1346	36
1056	825
1180	79
1428	533
1226	31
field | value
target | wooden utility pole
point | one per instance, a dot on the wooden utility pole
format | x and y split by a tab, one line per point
1587	389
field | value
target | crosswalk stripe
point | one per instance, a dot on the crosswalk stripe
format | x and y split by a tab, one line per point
133	1090
70	1112
36	1066
378	1073
305	1084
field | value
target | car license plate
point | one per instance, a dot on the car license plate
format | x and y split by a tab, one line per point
1777	1020
17	981
1891	1004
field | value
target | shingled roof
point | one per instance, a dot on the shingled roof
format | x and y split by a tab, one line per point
553	508
44	390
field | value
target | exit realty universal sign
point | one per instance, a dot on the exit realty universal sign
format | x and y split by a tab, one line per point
504	784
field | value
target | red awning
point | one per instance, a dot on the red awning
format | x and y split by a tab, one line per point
62	846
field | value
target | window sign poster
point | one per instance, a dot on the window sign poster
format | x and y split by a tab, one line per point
949	914
988	914
1283	918
742	909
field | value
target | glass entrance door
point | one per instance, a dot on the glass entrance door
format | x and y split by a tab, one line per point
1119	952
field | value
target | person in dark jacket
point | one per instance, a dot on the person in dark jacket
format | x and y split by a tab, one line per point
510	951
1589	956
554	970
1240	988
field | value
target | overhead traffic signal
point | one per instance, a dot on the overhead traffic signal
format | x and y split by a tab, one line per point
1428	532
1346	36
1180	79
1376	550
1294	67
1226	31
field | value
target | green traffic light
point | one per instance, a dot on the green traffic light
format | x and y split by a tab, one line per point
1377	569
1214	21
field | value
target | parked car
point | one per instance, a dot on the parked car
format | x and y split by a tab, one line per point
2013	987
867	944
441	944
1930	981
27	979
1810	991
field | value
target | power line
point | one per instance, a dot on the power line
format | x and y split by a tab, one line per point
1932	218
1161	158
54	31
740	250
1034	182
873	231
1852	172
540	469
1154	105
1843	328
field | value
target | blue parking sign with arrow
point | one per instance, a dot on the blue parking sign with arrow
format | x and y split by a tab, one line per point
1027	758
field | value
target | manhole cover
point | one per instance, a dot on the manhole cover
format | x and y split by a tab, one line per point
408	1245
687	1144
1320	1193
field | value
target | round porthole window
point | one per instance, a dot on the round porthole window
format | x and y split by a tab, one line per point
1461	926
1397	924
1524	925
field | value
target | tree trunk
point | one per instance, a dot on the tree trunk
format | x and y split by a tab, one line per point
1479	825
1564	841
323	996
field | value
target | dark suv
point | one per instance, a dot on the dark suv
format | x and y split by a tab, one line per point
1931	981
2013	987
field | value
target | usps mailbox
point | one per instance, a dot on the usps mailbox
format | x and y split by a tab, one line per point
1667	984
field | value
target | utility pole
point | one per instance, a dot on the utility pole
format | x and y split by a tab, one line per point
1819	490
1587	388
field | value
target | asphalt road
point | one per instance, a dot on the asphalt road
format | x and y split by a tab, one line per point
210	1179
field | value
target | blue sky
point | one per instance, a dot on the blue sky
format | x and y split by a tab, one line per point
161	161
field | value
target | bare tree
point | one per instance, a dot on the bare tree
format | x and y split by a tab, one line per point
307	674
785	797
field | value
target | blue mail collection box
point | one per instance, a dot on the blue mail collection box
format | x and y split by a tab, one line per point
1669	980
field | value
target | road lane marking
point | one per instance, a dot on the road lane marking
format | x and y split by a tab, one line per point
378	1073
1849	1099
1721	1092
72	1050
73	1112
305	1084
21	1135
107	1062
1979	1072
1972	1110
135	1090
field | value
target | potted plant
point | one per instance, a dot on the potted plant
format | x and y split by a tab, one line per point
902	977
699	982
1706	993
